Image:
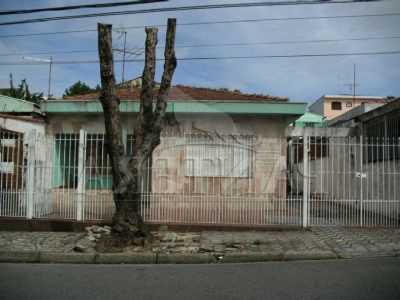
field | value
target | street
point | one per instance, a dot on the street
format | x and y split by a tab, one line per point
336	279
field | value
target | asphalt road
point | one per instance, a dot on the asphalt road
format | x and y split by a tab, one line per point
341	279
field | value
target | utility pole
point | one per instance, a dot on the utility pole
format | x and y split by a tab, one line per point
354	85
11	82
123	58
49	88
12	90
124	33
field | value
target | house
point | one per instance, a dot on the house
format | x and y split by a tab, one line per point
348	119
372	120
381	122
221	152
332	106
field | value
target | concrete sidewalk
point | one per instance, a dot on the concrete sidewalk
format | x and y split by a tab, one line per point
205	247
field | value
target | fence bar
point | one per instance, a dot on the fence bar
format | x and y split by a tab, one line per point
306	176
361	182
30	187
81	175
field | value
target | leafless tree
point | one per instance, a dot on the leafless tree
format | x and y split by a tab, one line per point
127	172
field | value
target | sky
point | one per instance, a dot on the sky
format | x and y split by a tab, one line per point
301	79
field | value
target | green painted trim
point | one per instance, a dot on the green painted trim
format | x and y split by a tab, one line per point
211	107
15	105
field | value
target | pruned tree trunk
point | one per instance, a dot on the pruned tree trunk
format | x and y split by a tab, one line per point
128	172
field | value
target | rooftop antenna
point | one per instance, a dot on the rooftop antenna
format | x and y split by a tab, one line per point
354	84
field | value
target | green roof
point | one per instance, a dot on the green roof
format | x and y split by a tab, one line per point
230	107
311	118
14	105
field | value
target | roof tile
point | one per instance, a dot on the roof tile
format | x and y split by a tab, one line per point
187	93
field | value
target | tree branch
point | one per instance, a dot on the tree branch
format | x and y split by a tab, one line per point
145	120
110	104
169	69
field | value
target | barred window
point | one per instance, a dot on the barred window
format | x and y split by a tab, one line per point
230	156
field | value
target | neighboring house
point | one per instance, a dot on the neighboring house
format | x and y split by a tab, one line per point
372	120
332	106
382	122
19	121
348	119
19	107
218	146
20	116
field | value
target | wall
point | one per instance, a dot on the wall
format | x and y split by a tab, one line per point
168	177
18	124
267	126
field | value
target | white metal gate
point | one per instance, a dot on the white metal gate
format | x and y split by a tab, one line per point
350	181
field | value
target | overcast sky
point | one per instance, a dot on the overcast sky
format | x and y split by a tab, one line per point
300	79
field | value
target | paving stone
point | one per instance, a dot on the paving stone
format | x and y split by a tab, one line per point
323	242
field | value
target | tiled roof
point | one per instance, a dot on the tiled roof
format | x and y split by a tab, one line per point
187	93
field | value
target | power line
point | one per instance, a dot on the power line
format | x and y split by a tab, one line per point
47	52
186	8
214	45
215	58
73	7
209	23
289	42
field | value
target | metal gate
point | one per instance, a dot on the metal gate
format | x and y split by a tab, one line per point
348	181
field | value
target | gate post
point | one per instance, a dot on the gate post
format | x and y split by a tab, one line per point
30	176
81	176
306	192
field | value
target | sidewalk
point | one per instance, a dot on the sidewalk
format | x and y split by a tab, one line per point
205	247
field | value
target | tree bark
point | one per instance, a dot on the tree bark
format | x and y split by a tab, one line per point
127	173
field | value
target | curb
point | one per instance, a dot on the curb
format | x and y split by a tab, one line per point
195	258
293	255
122	258
157	258
66	258
251	257
19	256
